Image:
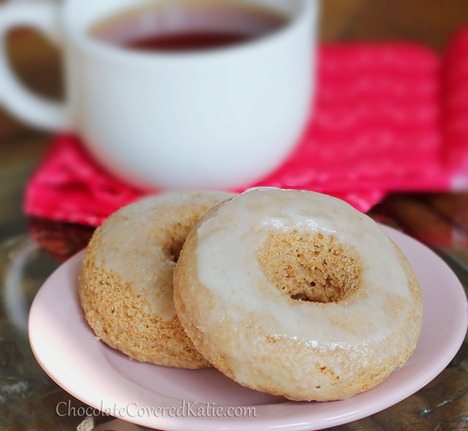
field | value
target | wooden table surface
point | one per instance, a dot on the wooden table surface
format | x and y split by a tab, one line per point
28	398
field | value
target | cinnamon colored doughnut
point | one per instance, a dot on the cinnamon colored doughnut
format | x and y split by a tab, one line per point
126	279
297	294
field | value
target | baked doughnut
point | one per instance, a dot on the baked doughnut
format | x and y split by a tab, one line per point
297	294
126	279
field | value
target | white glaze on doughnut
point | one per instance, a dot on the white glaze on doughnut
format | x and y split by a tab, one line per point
253	217
135	226
249	329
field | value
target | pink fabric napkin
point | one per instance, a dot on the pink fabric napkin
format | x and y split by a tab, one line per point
455	108
387	116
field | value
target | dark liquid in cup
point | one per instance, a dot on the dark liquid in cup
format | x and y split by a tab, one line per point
188	26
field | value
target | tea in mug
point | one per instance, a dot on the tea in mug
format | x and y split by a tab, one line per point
188	25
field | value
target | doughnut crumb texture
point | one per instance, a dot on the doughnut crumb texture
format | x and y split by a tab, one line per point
310	267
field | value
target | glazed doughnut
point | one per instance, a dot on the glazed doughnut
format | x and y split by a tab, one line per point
126	279
297	294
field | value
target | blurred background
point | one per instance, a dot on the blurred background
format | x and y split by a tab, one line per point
429	22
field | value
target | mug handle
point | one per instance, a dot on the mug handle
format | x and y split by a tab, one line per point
22	103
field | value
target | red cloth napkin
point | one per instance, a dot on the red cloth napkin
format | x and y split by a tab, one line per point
376	127
455	108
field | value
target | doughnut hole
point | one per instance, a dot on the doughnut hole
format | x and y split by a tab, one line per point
310	266
176	235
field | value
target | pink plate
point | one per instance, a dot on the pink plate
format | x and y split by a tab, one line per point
168	399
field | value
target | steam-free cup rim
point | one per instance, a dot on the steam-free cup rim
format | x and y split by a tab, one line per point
80	37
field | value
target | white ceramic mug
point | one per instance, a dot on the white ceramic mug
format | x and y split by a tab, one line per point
210	119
